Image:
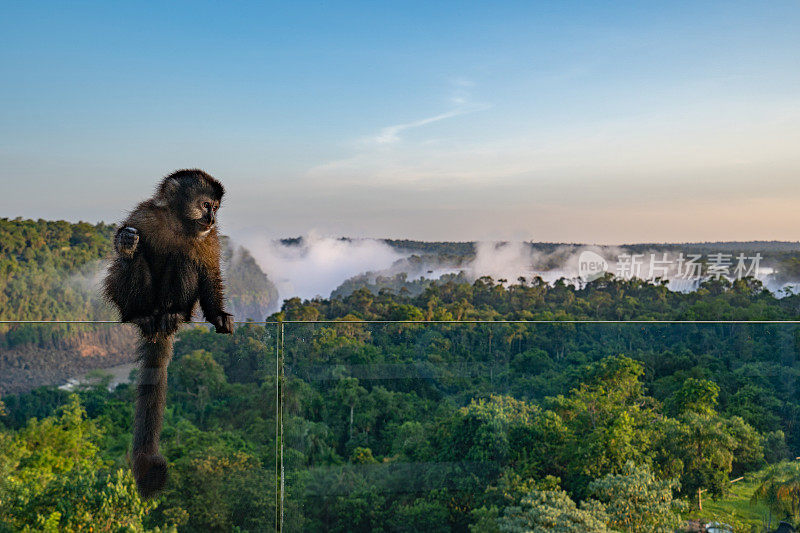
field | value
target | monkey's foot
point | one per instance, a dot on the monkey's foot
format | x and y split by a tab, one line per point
150	472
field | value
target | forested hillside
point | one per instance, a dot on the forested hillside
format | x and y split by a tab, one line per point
47	269
51	270
496	426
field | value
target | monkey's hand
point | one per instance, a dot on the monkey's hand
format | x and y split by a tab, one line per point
223	322
126	241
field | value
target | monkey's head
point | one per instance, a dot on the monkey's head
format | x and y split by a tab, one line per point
194	196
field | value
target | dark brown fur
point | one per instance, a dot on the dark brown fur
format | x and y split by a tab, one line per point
166	266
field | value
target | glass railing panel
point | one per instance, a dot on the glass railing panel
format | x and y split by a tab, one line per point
223	437
68	395
371	422
356	426
446	426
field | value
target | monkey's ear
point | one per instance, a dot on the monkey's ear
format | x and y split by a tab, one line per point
167	190
219	190
170	186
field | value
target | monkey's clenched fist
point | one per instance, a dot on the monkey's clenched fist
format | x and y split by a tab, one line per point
126	241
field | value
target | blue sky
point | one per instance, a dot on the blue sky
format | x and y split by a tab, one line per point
599	122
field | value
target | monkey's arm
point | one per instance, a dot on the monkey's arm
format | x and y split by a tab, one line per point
126	241
128	285
211	301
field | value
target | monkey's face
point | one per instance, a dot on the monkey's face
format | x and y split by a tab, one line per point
202	214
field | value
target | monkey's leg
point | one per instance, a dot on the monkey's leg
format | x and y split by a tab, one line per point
149	467
159	324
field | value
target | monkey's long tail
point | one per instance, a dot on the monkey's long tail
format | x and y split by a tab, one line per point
149	467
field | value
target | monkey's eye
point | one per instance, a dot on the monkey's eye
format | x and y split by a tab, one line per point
206	205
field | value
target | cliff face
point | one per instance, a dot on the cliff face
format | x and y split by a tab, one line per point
249	292
67	351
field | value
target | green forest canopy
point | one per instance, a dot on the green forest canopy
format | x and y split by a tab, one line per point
491	426
444	427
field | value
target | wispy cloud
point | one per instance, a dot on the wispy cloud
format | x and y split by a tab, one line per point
391	134
462	105
654	151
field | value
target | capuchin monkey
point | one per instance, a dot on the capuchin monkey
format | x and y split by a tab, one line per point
167	261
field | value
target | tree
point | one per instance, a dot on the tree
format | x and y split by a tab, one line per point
216	489
703	449
422	514
636	500
481	429
198	374
348	392
362	456
412	442
553	511
780	490
609	421
54	477
696	396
